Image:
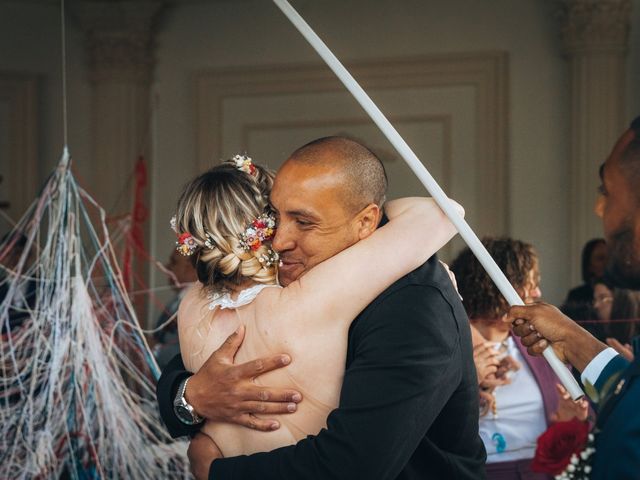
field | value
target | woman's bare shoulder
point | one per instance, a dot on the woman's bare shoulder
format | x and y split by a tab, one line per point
193	302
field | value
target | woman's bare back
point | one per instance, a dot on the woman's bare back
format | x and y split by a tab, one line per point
316	371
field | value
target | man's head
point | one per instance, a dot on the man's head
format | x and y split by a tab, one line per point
619	207
328	196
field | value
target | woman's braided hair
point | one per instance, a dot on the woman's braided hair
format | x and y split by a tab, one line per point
216	208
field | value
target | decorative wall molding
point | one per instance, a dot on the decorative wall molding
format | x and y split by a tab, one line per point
119	37
595	35
20	94
486	73
595	25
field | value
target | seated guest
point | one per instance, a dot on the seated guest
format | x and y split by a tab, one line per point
579	299
524	394
182	274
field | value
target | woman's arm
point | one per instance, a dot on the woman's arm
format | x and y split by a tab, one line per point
202	451
341	286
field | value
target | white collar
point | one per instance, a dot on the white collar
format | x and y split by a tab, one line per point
223	298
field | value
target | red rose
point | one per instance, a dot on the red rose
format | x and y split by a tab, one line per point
557	444
184	237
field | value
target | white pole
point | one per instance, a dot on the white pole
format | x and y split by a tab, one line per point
427	180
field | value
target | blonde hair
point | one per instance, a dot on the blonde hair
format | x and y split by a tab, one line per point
217	206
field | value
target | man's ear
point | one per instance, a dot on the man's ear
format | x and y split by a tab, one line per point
368	220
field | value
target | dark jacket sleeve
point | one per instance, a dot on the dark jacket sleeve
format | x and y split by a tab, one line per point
405	367
618	443
166	391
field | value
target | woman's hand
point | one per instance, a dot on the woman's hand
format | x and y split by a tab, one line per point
202	452
625	350
568	409
486	359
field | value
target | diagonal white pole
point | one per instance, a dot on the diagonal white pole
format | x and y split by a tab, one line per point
427	180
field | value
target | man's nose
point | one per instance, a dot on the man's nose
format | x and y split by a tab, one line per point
283	240
598	208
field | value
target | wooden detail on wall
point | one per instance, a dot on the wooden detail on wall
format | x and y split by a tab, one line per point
595	37
484	76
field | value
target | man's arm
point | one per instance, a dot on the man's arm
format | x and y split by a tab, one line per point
541	324
222	391
166	391
406	366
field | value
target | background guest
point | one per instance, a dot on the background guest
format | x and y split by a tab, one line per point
525	400
579	299
617	310
182	274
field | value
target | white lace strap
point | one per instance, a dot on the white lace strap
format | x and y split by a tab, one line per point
245	297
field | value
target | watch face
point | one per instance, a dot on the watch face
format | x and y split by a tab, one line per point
184	414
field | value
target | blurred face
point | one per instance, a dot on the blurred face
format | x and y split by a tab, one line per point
313	222
598	260
182	269
532	292
602	301
618	209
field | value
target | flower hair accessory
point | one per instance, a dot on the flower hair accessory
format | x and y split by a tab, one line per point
244	163
186	244
262	229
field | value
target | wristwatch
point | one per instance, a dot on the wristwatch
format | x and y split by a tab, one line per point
183	410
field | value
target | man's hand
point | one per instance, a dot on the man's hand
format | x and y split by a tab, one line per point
202	451
541	324
222	391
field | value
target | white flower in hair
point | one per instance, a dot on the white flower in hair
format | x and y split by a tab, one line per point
174	224
244	163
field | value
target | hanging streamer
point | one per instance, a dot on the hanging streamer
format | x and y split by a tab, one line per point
77	389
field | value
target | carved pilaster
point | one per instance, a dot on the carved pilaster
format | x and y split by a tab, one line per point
595	41
595	25
120	57
119	38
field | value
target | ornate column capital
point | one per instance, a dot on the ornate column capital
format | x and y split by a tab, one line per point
590	26
119	38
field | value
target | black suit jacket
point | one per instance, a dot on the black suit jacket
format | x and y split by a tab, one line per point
409	401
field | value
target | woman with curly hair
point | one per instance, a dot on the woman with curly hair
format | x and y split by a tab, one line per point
520	392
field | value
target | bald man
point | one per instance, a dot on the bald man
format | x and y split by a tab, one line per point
408	406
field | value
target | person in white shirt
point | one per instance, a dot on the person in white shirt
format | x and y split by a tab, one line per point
520	395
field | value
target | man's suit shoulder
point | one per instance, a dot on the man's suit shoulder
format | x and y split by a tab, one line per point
430	275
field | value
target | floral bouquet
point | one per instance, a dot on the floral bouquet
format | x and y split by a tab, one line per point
564	450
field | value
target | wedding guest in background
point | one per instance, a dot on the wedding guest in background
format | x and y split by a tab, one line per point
182	274
519	391
579	299
618	310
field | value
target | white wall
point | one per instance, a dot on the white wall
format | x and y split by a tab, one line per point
256	33
195	36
